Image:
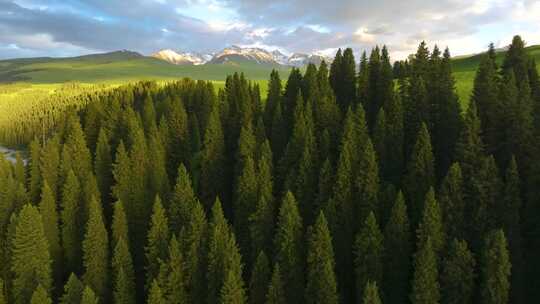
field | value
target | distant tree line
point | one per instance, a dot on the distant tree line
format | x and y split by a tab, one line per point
345	185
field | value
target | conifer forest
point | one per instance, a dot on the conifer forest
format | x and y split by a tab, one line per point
359	181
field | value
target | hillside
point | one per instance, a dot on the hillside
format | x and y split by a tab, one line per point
119	67
464	69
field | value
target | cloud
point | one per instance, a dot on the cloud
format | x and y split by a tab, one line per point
67	27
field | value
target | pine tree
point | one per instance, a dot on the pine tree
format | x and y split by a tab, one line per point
49	165
452	203
49	215
89	297
73	290
458	276
232	291
397	251
194	243
431	225
495	269
371	294
368	254
367	183
123	274
276	290
321	279
245	204
157	242
35	172
72	223
96	252
175	281
484	96
40	296
425	284
31	263
212	181
510	221
288	246
273	99
260	279
420	174
103	167
183	200
155	295
119	226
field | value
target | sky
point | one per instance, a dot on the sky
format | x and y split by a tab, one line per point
57	28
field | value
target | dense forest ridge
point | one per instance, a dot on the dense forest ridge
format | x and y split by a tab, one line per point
345	186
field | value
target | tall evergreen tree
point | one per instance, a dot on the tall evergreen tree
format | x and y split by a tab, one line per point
96	252
458	275
103	167
397	251
276	290
72	223
371	294
288	246
431	225
175	281
119	226
155	295
452	203
89	297
495	269
368	254
40	296
420	174
35	172
321	279
31	262
123	274
72	290
233	291
182	202
49	215
367	182
212	181
260	279
425	284
157	242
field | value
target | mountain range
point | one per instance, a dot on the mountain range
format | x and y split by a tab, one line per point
237	55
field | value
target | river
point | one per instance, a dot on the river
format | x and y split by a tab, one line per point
9	153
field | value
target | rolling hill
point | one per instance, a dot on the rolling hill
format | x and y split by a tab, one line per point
125	66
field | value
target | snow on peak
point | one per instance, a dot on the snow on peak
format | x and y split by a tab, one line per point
181	58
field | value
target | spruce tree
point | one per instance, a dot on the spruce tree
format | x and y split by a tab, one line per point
157	242
35	172
276	290
40	296
288	246
212	180
103	167
123	274
495	269
49	215
420	174
425	284
431	225
30	262
175	281
89	297
232	291
458	274
397	251
321	279
367	183
96	252
260	279
72	223
245	204
73	290
371	294
509	216
155	295
119	226
49	165
452	203
368	254
182	202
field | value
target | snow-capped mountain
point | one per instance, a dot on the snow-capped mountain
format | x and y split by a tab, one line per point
236	54
300	59
182	58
